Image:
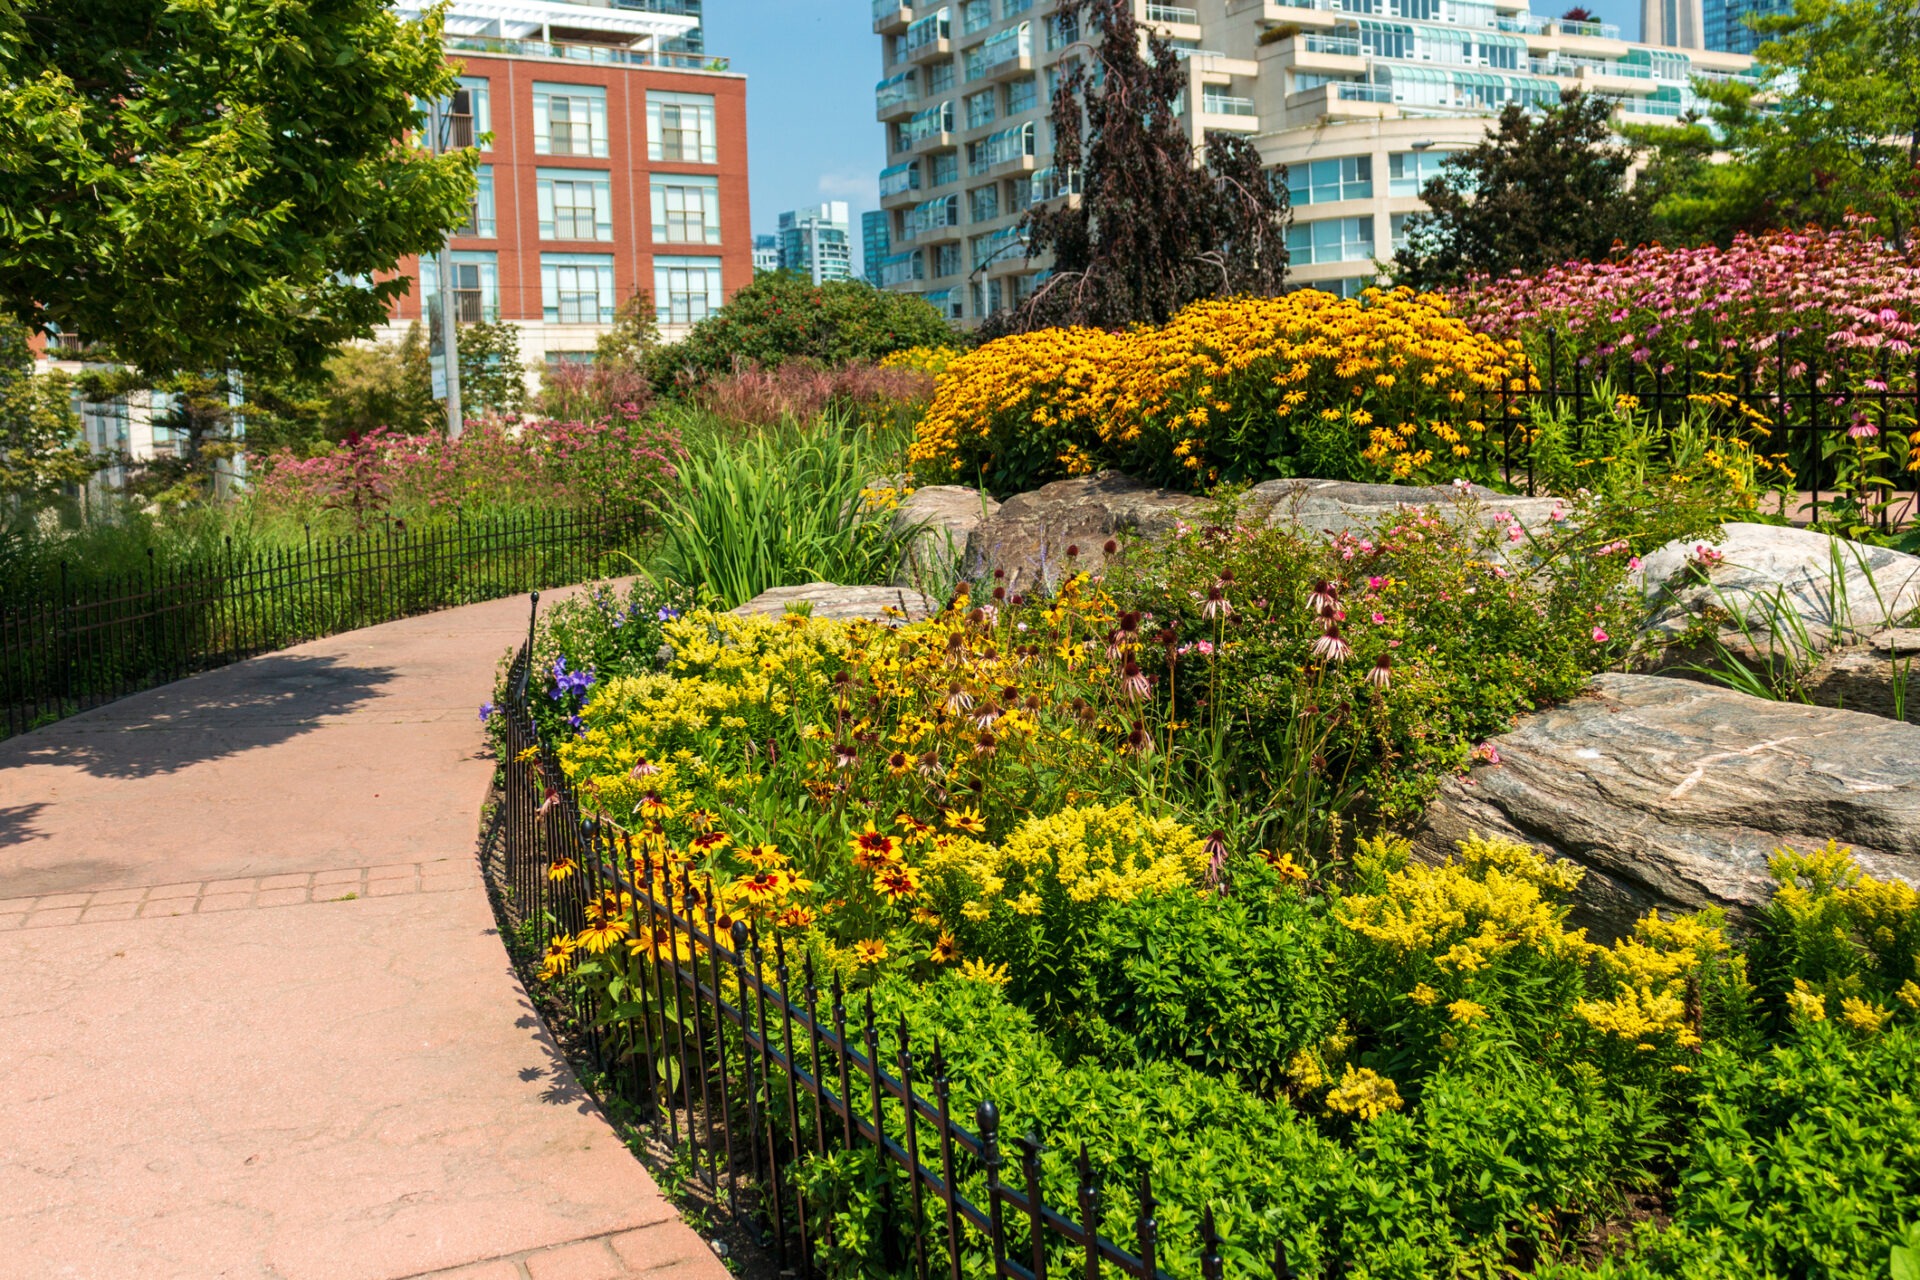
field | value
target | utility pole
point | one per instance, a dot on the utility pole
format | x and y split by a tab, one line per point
439	126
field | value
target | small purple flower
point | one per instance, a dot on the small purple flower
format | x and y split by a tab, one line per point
579	727
667	613
486	711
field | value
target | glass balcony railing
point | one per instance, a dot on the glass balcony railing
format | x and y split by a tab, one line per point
1361	91
886	8
1171	13
1599	30
583	53
896	91
1345	46
896	178
935	27
1220	104
1009	46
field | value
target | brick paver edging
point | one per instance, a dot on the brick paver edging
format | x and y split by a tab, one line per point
342	884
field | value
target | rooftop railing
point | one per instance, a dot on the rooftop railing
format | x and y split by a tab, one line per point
509	48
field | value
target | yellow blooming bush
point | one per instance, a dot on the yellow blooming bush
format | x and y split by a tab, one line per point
931	360
1021	410
1387	386
1658	973
1850	941
1031	900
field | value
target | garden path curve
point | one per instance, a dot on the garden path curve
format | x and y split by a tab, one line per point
255	1017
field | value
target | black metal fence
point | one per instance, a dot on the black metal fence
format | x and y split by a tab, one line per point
718	1049
1819	412
75	646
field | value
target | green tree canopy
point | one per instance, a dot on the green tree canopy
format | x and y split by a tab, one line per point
1152	230
1541	189
781	316
208	186
41	451
1840	132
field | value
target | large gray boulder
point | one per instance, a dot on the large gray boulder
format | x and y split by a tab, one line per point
1672	794
831	600
1837	591
940	517
1341	506
1029	536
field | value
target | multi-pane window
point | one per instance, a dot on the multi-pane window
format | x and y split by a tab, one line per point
475	277
983	204
686	208
469	117
946	260
980	108
685	290
940	77
1408	171
1331	240
1397	224
1320	181
1062	30
680	127
1010	7
896	178
569	120
575	204
946	168
577	288
480	221
1022	95
975	15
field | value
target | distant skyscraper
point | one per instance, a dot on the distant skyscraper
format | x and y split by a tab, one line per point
766	253
874	243
1675	24
1726	27
816	242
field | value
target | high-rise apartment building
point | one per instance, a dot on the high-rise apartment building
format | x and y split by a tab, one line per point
817	242
766	254
613	160
1674	24
1724	23
874	244
1359	99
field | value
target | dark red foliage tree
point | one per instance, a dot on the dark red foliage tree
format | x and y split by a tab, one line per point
1152	229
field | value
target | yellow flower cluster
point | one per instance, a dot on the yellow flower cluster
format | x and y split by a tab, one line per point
1082	854
1650	969
1227	388
1858	937
1363	1093
933	360
1486	901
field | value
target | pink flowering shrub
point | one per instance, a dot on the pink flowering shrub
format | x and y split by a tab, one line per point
1802	346
496	464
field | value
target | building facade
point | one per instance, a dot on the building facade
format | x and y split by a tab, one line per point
766	254
1359	99
1724	24
817	242
873	244
613	160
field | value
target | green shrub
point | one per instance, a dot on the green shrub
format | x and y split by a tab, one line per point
781	316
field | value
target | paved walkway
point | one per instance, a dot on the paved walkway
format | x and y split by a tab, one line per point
255	1019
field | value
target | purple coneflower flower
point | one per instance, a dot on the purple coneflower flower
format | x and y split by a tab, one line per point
1332	646
1216	605
1134	682
1324	596
1381	676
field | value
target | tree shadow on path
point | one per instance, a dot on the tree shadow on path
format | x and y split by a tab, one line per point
252	704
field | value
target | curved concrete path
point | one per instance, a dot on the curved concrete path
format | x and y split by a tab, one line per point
255	1018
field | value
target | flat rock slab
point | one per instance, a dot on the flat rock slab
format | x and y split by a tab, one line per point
1672	794
845	604
1029	536
255	1018
1341	506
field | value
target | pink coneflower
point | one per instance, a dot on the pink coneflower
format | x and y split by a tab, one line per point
986	744
1323	597
1216	605
987	713
1139	741
1381	676
1332	646
1134	682
643	768
844	755
1861	428
958	699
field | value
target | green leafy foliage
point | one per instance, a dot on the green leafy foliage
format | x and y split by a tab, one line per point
41	451
781	316
270	193
1543	188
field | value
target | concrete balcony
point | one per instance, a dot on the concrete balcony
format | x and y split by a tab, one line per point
1315	54
938	50
1175	22
890	17
903	199
1310	15
1005	69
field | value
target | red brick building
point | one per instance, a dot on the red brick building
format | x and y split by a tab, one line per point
613	159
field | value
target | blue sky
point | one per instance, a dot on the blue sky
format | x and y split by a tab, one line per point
811	66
